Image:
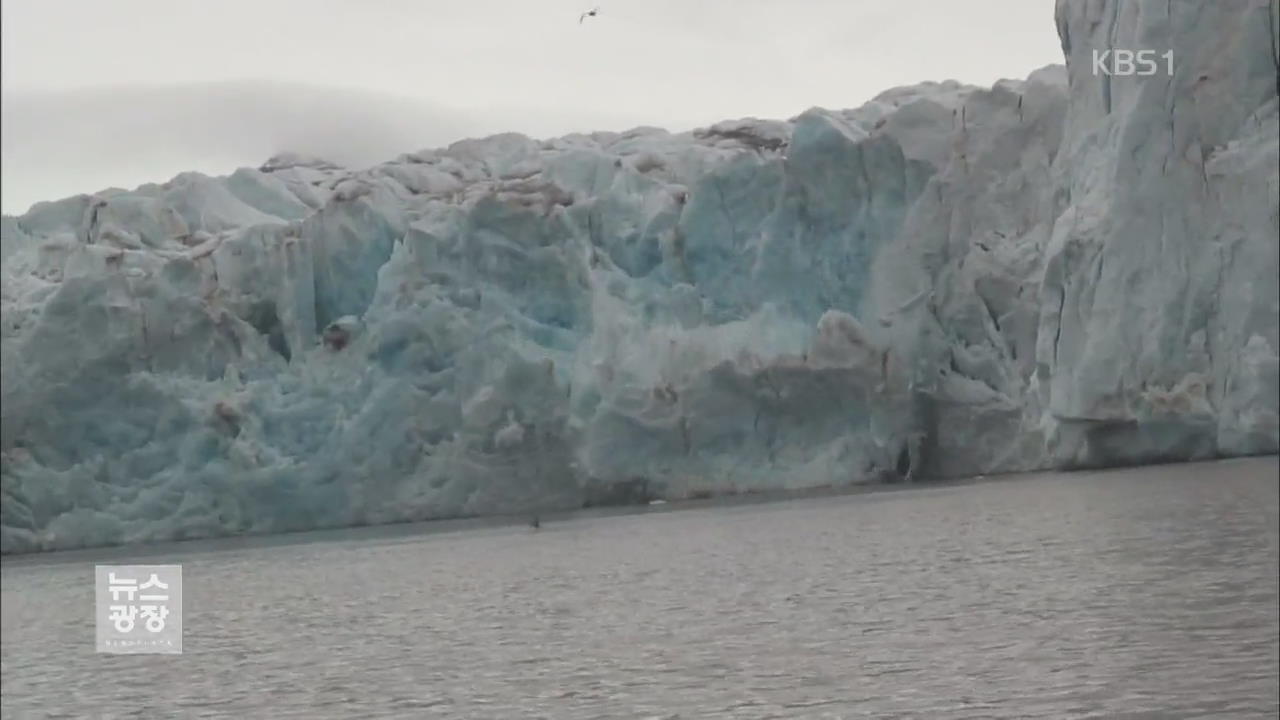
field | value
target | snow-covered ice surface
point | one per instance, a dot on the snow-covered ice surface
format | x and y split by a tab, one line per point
1070	270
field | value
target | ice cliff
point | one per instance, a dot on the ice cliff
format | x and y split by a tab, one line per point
1070	270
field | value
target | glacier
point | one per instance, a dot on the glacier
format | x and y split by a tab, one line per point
1072	270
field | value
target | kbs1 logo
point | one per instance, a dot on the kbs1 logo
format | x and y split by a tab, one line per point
1125	63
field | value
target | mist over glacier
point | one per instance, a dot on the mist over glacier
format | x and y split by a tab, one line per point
1071	270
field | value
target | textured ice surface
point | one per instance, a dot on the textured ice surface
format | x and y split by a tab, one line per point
1063	271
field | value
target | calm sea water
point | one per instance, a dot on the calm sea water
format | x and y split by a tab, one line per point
1148	593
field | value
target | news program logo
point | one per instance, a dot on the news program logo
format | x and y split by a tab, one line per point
138	609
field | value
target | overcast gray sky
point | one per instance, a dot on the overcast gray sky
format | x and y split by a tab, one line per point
123	92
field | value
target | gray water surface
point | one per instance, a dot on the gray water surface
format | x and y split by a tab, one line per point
1145	593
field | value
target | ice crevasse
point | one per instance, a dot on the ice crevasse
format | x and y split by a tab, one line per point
1071	270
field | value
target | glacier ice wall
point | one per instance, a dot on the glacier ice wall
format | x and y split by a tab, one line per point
1069	270
1158	331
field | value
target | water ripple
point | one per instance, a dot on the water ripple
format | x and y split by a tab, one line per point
1139	594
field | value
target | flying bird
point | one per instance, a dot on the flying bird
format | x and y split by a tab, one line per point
590	13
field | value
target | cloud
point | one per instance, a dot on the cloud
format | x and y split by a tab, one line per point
59	143
64	142
471	68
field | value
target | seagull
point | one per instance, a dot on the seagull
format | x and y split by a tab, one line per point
590	13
